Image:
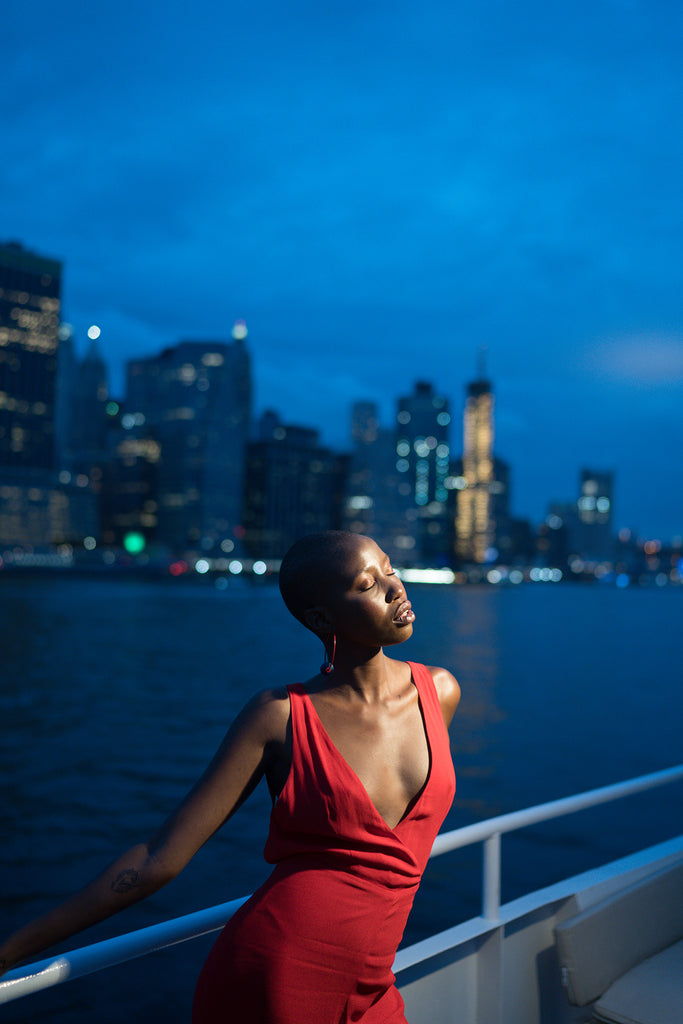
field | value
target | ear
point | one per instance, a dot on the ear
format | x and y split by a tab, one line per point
318	621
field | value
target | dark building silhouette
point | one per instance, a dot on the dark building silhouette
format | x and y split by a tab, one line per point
194	400
583	529
553	543
293	486
505	532
378	501
88	425
129	491
595	514
82	431
67	368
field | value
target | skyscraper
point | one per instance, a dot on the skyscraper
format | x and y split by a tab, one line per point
81	425
29	323
585	525
293	487
129	494
30	507
194	399
474	522
594	508
374	504
89	391
423	462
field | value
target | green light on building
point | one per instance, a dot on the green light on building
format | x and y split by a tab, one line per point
134	543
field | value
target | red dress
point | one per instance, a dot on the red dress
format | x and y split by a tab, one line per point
316	943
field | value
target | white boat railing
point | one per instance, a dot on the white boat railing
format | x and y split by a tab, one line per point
53	971
490	831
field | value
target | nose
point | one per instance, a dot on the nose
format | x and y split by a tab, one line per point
396	590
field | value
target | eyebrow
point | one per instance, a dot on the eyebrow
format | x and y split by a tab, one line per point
371	566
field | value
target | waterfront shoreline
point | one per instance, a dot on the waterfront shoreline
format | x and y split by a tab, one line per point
189	573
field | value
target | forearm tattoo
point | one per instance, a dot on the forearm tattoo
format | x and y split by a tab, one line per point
126	880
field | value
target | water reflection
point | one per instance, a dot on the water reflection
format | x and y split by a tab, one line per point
460	629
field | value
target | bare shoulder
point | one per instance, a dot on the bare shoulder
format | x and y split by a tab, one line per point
448	690
267	714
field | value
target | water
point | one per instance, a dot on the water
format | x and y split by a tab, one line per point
115	694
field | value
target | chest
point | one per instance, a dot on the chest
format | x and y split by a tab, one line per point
387	749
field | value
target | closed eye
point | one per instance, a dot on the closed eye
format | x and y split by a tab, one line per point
371	583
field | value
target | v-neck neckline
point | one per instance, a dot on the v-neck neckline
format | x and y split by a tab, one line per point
330	742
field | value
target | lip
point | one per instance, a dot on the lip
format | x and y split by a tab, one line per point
404	614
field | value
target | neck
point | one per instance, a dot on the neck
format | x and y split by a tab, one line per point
368	674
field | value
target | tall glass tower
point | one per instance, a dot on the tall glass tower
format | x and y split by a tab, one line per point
30	508
423	462
475	522
378	499
29	325
194	400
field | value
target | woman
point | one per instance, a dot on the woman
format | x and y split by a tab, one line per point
358	765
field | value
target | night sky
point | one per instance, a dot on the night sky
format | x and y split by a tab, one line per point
379	190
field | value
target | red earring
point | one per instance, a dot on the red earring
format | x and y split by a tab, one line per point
328	665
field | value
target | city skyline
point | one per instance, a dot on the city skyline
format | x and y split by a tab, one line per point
379	192
455	432
180	464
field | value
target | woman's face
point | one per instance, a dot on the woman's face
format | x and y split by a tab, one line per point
364	599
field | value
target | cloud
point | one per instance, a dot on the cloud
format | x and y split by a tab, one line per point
644	359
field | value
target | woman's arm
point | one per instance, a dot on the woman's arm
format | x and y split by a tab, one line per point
252	742
129	878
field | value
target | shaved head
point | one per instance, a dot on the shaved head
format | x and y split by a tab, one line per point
308	565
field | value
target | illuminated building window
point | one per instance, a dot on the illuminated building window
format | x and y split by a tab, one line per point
212	359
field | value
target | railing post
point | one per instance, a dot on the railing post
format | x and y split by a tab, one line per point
491	900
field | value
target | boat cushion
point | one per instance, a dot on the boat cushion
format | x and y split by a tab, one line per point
604	941
651	993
